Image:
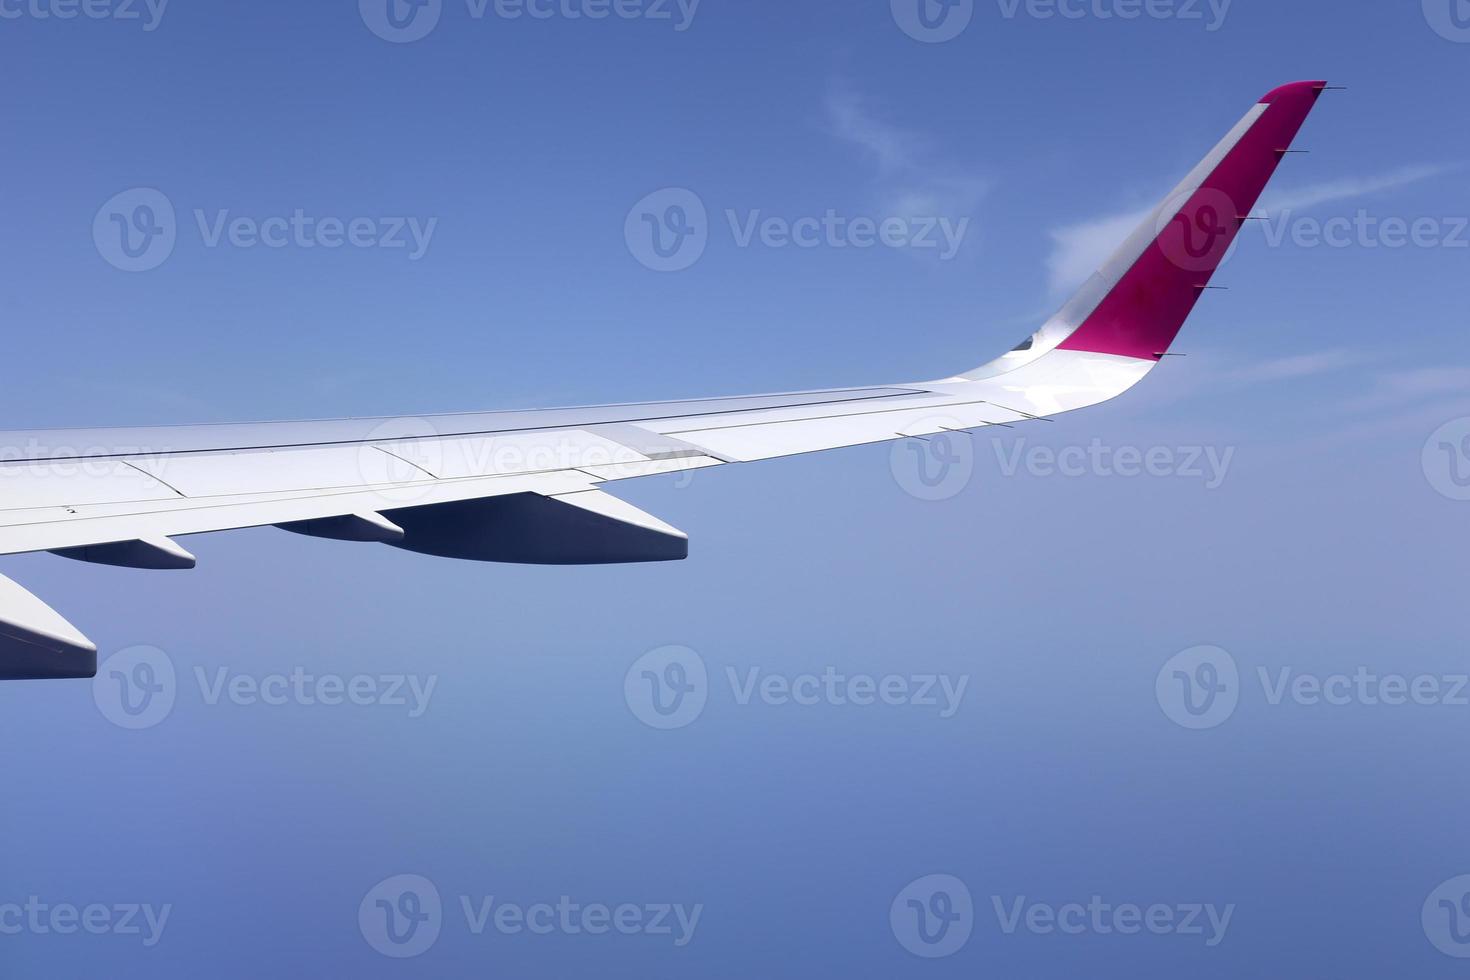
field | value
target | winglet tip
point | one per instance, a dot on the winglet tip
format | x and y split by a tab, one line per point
1316	87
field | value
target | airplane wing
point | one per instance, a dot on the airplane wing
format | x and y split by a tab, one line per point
527	487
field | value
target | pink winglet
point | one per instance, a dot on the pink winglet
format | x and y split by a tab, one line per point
1144	312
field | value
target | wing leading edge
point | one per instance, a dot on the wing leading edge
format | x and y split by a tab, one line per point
525	486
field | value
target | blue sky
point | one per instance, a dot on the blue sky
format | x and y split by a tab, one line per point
1302	522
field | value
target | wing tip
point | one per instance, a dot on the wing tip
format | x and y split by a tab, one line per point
1292	90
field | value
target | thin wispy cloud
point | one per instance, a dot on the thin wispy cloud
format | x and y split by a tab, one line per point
1406	423
1395	388
1348	188
1079	250
1296	367
893	149
913	179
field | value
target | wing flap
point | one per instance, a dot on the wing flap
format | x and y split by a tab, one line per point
158	554
363	528
54	528
587	527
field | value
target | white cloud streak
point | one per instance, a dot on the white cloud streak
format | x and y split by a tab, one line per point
1296	367
912	181
1078	250
1348	188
